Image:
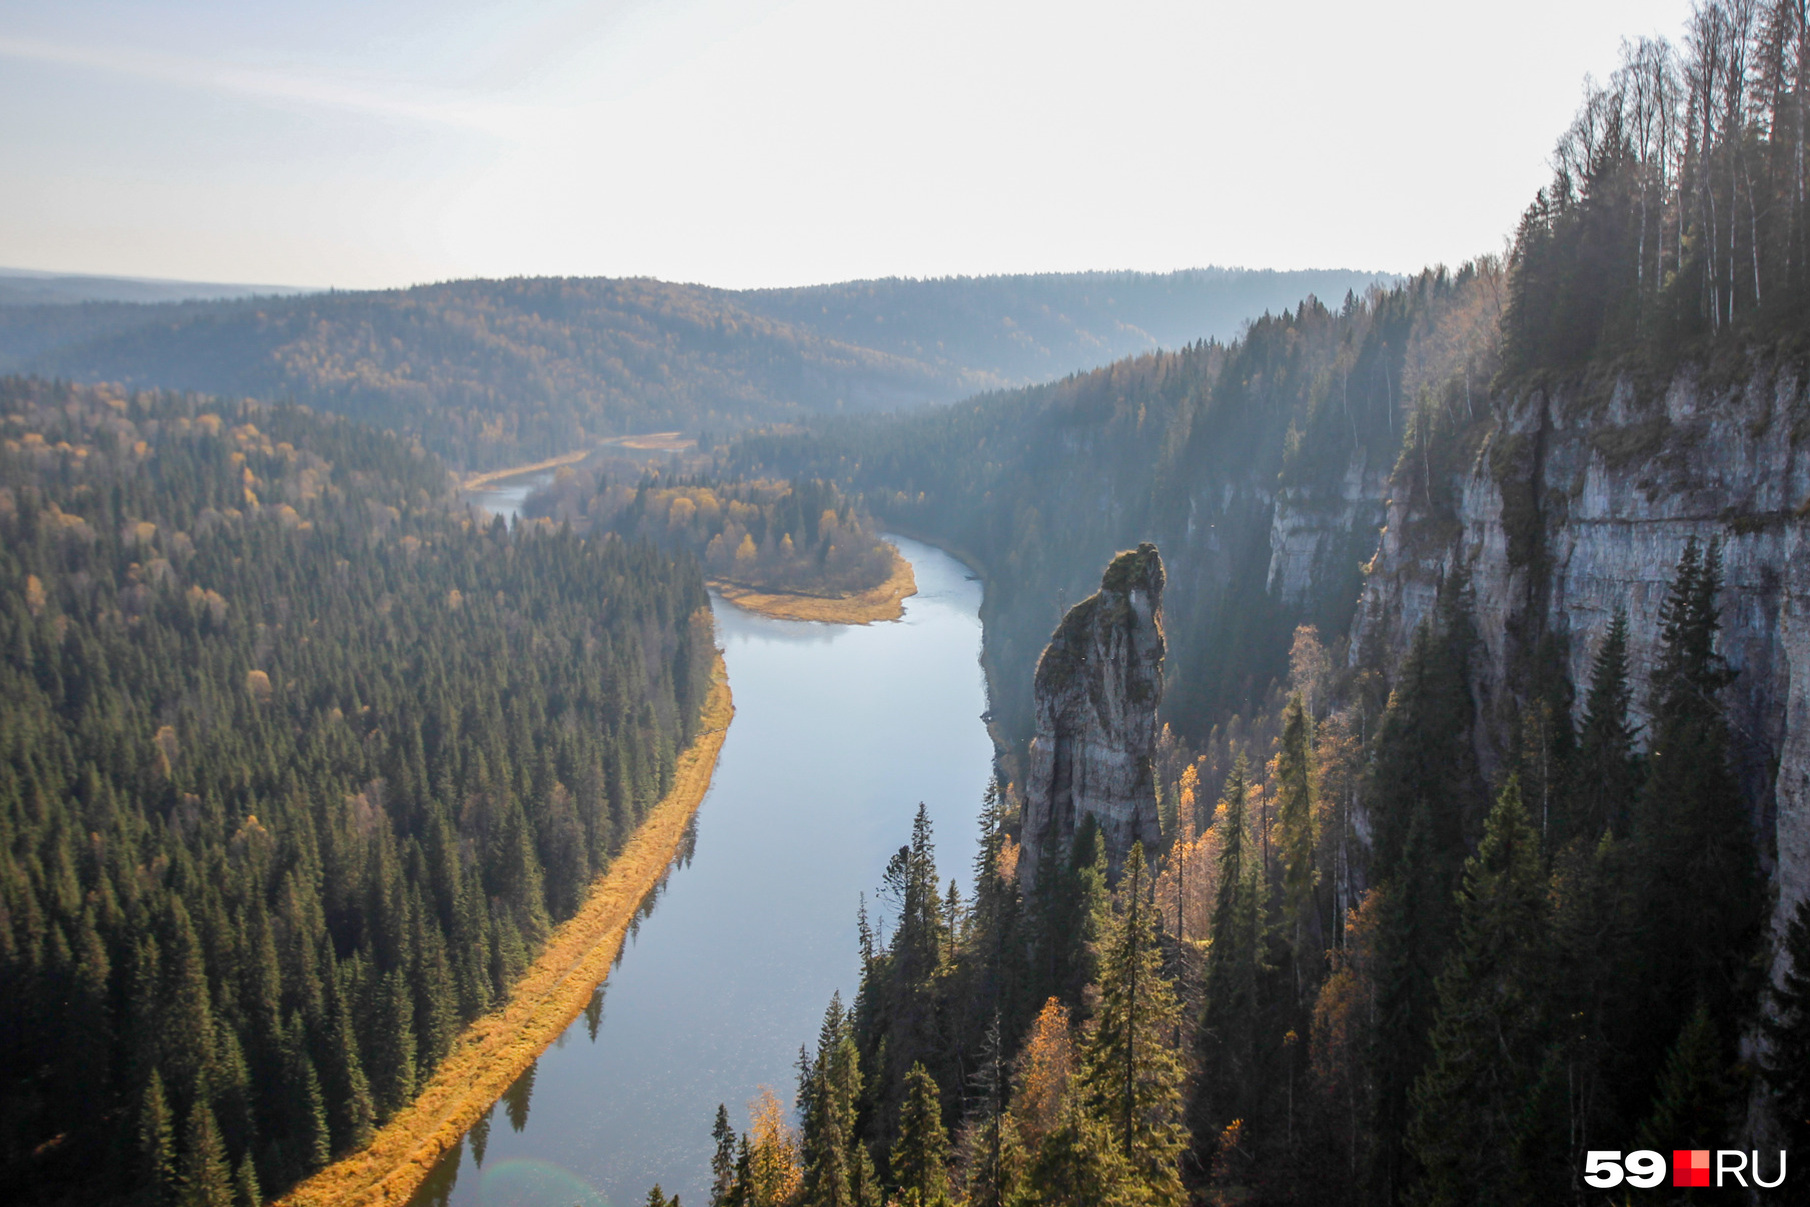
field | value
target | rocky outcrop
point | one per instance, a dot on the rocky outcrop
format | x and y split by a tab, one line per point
1096	693
1316	537
1577	505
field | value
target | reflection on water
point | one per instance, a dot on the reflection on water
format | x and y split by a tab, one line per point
506	500
839	733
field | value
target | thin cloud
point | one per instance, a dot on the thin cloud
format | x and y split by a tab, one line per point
280	87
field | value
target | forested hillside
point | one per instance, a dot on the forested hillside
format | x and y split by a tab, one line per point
298	766
1488	756
1195	449
798	537
492	373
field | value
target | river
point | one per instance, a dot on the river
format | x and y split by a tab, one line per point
506	500
839	732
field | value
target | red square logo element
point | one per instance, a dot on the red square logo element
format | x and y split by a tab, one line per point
1690	1167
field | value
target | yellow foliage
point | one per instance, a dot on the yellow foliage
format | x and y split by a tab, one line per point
777	1172
34	594
1044	1069
258	684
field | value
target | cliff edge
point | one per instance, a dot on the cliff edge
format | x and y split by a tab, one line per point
1576	504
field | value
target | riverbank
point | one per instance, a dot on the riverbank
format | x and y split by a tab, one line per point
496	1049
884	602
480	481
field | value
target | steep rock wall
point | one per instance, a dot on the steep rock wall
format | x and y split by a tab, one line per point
1317	538
1576	505
1096	693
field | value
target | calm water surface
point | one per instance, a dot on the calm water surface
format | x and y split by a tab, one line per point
506	500
839	732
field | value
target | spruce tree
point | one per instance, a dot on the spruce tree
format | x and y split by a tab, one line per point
246	1191
206	1178
156	1145
353	1114
1424	798
1294	816
741	1188
1076	1164
1234	965
393	1045
1786	1062
1608	768
313	1137
920	1153
1491	1027
829	1091
722	1158
992	1152
1697	1092
1699	899
1132	1076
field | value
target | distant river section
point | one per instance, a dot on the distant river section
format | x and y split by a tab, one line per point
839	732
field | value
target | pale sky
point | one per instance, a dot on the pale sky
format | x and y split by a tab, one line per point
772	142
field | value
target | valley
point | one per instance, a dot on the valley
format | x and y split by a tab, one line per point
1213	738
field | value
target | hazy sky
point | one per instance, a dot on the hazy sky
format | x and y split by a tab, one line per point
759	142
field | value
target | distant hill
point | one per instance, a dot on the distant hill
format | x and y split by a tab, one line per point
25	287
488	372
1018	330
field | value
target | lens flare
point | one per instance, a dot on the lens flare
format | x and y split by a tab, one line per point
524	1182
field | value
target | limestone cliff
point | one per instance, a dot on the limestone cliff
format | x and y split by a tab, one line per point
1578	502
1096	693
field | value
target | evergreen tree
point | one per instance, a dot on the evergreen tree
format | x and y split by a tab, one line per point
1472	1103
992	1155
1076	1164
1131	1074
722	1159
246	1192
1697	1092
354	1120
1786	1062
314	1142
1068	906
1698	897
393	1046
1234	966
206	1178
741	1188
156	1146
1590	928
1608	768
919	1154
829	1090
1295	792
1423	796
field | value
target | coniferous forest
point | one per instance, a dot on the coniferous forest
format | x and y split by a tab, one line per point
298	766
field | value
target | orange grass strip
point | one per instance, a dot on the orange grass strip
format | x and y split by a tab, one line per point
480	481
884	602
494	1050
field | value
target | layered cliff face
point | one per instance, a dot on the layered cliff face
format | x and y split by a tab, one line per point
1316	537
1096	693
1575	506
